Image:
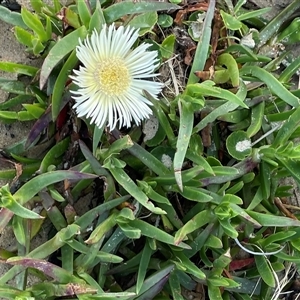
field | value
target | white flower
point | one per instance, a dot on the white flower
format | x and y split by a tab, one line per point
113	77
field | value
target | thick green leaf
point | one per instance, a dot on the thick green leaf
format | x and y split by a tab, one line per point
18	68
230	21
55	152
37	46
184	135
19	227
9	292
35	185
156	233
265	179
165	20
153	280
52	289
12	18
97	134
253	14
203	44
175	286
85	220
32	187
272	220
163	120
152	194
292	166
46	249
213	115
222	109
101	255
59	51
23	36
196	222
60	83
148	159
278	236
274	85
8	115
258	197
97	18
287	73
110	189
238	145
143	266
129	231
84	13
144	22
223	170
199	159
265	270
214	291
51	270
207	88
288	257
14	101
99	232
227	60
35	110
35	24
9	202
195	194
257	115
273	26
167	46
191	268
228	228
37	5
242	213
71	18
110	296
241	49
118	10
13	86
128	184
287	129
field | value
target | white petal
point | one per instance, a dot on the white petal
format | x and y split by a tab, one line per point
110	106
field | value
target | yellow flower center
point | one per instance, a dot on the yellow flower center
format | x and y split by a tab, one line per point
112	76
